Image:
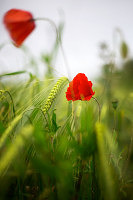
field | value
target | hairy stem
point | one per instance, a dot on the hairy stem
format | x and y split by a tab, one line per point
58	39
99	108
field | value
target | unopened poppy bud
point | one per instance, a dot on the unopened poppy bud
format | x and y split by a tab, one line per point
115	104
123	50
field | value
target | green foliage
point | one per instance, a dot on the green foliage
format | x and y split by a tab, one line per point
54	149
13	73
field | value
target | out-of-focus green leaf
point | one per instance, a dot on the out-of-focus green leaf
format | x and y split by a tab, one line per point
14	73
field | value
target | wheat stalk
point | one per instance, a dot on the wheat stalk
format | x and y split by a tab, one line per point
54	92
8	130
105	168
15	148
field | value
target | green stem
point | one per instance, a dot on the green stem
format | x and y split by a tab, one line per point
58	39
99	108
13	108
32	109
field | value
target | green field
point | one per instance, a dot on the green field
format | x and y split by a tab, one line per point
51	148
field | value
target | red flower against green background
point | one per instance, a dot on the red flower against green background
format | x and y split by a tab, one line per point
80	88
19	24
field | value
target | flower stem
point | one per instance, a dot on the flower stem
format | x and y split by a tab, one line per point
99	107
72	110
58	38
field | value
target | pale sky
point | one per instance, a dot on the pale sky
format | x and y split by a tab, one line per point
87	23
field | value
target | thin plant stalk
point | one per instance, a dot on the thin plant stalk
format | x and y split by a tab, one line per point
58	39
5	91
99	108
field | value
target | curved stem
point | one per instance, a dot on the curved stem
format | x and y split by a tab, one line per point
117	32
32	109
72	110
99	107
58	38
13	108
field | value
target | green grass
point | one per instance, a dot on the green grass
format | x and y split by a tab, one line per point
54	149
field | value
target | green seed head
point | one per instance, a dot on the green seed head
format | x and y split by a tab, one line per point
54	92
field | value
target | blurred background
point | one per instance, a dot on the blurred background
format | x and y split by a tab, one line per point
65	153
85	25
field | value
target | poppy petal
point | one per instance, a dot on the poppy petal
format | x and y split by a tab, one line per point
80	88
19	24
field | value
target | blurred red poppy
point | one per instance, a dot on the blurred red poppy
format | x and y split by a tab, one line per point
19	24
80	88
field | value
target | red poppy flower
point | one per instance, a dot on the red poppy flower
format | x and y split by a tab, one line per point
80	88
19	24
